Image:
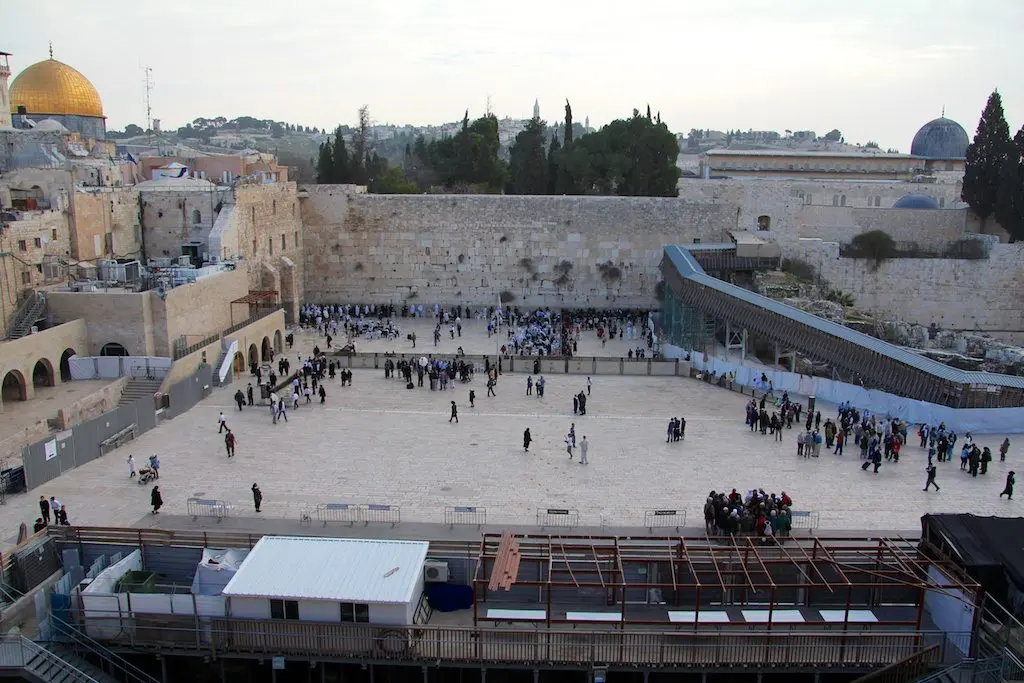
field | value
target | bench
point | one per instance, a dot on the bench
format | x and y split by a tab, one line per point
514	615
117	439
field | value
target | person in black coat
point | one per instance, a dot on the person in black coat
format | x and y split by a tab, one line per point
257	496
526	440
1011	479
156	500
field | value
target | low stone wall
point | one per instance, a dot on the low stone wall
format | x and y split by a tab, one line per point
92	405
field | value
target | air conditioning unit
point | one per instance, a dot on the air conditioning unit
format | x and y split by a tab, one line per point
435	571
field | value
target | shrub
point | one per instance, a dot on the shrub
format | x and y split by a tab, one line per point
875	245
800	269
841	298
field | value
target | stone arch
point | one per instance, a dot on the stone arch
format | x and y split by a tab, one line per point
764	222
65	365
254	356
278	342
197	217
14	388
42	374
114	349
239	362
266	351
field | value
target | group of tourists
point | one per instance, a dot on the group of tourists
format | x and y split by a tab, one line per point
766	516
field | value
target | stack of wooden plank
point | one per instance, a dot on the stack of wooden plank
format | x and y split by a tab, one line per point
506	563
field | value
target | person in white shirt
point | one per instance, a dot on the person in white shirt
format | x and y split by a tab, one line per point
584	445
223	421
131	466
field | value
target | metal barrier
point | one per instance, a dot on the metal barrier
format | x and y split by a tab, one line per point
337	512
465	515
664	519
804	519
306	515
560	517
386	514
207	507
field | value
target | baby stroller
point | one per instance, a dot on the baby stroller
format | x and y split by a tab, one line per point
146	475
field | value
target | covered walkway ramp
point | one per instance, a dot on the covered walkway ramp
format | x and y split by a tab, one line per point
694	302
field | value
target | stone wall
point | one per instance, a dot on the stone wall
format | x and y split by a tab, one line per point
22	260
169	219
124	318
929	228
198	310
981	295
470	248
20	356
105	224
93	405
268	225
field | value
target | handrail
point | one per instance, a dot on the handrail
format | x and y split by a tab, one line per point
85	641
35	649
26	305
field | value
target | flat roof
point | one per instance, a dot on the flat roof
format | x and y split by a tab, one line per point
808	153
336	569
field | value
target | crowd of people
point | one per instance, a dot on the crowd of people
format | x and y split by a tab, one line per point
757	513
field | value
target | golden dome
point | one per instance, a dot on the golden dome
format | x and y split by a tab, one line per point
52	87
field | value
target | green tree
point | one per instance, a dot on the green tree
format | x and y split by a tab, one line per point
554	174
834	135
985	158
568	124
1009	208
528	169
325	164
342	162
392	181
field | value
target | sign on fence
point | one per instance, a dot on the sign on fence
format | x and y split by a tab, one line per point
207	507
664	519
387	514
467	515
560	517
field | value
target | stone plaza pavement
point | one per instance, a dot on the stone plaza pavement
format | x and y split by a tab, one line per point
377	442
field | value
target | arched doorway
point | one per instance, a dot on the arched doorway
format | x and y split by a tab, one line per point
14	387
266	352
113	349
278	342
65	365
764	223
254	357
239	362
42	374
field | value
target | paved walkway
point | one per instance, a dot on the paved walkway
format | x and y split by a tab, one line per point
377	442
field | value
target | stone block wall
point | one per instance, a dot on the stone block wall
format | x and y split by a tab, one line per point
124	318
931	229
99	212
362	248
20	356
982	295
168	219
269	229
93	405
198	310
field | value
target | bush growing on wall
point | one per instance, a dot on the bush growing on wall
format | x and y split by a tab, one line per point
800	269
876	245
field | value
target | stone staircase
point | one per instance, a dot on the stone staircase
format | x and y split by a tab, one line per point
139	387
28	315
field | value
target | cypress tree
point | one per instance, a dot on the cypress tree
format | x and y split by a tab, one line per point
567	134
325	165
342	168
985	158
1009	208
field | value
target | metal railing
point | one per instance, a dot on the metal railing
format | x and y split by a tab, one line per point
664	519
207	507
558	517
83	643
180	350
465	515
746	646
18	652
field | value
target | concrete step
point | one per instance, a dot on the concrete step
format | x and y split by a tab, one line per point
92	671
139	388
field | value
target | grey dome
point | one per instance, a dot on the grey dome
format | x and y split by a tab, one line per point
916	201
940	139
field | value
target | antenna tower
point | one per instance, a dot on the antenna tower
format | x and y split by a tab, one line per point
149	89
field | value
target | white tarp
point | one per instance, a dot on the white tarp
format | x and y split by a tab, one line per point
112	367
229	359
976	420
216	569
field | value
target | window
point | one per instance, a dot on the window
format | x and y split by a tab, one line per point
293	209
275	207
942	202
842	200
22	246
38	242
254	246
355	613
807	199
296	239
284	609
197	217
835	200
252	212
270	245
53	233
26	277
283	245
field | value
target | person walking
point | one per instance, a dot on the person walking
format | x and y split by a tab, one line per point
229	443
455	414
529	385
257	496
527	438
572	434
568	446
323	394
1011	479
131	466
248	393
584	445
931	477
490	387
588	386
1003	449
223	422
154	463
239	399
44	508
156	500
472	398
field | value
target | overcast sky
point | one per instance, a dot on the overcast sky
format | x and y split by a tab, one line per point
875	69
